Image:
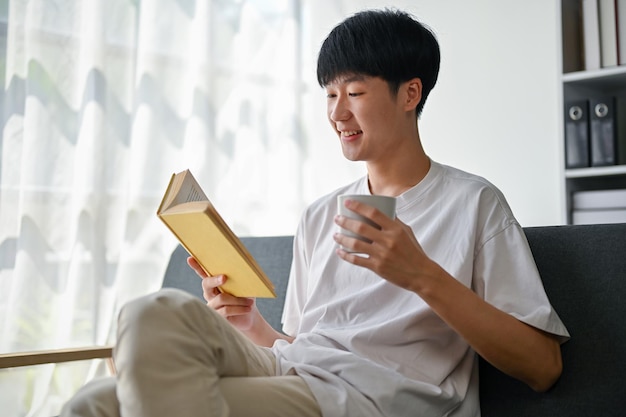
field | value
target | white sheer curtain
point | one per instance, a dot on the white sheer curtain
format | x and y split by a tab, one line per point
102	101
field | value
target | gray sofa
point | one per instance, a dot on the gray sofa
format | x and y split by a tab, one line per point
584	273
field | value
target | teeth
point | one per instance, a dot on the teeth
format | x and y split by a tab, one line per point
350	132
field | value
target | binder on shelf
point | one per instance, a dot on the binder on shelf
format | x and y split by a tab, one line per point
620	120
603	131
608	33
591	34
577	134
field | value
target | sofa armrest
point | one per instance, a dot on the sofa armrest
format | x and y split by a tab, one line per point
39	357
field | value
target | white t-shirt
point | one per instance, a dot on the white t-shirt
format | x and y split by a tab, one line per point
369	348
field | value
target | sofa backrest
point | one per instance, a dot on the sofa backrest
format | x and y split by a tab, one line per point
583	269
273	254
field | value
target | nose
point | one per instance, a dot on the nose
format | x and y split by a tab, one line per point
338	110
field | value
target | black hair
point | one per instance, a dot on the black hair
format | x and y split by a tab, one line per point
389	44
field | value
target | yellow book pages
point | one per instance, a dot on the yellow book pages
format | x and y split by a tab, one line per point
209	240
183	188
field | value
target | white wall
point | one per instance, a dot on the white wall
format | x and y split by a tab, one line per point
495	110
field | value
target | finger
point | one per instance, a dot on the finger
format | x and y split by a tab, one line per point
210	286
191	261
370	212
351	244
229	311
225	300
353	258
357	227
228	305
233	311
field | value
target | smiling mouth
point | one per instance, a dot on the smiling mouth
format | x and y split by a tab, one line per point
350	133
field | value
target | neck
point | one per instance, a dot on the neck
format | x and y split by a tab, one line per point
394	176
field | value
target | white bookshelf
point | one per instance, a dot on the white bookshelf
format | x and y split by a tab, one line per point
581	84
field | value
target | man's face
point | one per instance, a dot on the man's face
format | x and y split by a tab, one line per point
366	116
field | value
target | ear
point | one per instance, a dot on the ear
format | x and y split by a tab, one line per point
413	93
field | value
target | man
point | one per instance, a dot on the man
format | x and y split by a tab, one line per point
391	333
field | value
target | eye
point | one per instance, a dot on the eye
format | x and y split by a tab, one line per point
354	94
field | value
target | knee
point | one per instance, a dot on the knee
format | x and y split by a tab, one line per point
152	307
95	399
148	321
159	327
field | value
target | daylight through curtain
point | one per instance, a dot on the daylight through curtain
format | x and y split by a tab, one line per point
102	101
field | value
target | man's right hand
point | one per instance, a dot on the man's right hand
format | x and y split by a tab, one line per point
241	312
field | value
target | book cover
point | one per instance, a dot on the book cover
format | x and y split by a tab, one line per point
200	229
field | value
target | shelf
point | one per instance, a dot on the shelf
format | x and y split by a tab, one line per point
608	75
596	171
584	84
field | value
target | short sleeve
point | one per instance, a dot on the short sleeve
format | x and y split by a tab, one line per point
506	276
295	297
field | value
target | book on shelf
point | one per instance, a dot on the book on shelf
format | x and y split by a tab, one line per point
599	199
598	216
191	217
591	34
599	206
607	14
572	38
621	30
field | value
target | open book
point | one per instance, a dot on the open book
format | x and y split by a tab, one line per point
189	214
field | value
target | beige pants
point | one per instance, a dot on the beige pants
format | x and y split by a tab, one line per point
177	357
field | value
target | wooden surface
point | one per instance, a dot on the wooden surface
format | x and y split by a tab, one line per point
10	360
